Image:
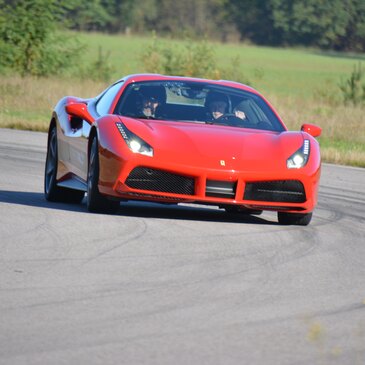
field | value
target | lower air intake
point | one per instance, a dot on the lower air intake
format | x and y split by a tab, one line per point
144	178
220	189
285	191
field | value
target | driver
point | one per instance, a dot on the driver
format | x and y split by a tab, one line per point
149	106
153	97
217	105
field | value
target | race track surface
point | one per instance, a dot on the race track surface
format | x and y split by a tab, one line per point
160	284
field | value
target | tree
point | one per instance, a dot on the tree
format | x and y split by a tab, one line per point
196	18
89	15
354	38
28	40
329	24
311	22
254	20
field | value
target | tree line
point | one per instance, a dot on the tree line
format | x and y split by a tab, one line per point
327	24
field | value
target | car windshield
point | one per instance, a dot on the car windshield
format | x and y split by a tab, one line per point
197	102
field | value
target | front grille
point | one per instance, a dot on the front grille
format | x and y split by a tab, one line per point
220	189
285	191
144	178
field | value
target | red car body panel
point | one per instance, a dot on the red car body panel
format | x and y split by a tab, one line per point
201	152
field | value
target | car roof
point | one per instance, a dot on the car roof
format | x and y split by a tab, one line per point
159	77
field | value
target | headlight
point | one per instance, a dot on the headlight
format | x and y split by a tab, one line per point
135	144
299	158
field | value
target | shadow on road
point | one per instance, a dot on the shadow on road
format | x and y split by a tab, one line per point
138	209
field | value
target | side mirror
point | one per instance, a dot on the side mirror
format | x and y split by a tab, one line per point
311	129
79	110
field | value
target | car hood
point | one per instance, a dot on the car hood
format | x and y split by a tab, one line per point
216	147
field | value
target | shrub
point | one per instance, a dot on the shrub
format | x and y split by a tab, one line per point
99	70
353	89
193	59
29	43
234	72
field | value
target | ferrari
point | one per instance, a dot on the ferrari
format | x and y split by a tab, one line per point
173	140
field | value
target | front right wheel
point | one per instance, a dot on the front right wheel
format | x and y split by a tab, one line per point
298	219
96	202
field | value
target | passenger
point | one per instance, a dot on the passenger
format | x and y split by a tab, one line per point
239	110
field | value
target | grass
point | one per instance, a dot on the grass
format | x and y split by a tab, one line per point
27	103
301	84
283	72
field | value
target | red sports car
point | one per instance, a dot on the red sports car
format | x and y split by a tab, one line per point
175	139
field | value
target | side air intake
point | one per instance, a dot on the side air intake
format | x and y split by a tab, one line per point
285	191
144	178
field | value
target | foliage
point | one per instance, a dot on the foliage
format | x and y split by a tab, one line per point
195	59
89	15
254	20
99	70
330	24
234	72
193	17
327	24
310	23
28	38
196	18
353	89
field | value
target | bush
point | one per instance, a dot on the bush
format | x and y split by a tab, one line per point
28	38
353	89
192	59
234	72
99	70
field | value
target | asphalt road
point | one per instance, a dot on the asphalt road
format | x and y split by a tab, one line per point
176	284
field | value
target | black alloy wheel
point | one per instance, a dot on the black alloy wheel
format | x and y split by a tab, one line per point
298	219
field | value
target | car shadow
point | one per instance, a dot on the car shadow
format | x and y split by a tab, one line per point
139	209
34	199
186	212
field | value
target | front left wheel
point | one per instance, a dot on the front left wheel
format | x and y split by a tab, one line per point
297	219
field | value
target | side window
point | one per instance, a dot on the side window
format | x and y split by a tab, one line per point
105	101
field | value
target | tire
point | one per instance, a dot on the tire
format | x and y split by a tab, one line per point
52	192
96	202
294	218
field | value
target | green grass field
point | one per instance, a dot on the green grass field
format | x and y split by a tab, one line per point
283	72
302	85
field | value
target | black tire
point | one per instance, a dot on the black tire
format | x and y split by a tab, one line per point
294	218
96	202
52	192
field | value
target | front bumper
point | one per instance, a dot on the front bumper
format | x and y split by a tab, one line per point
287	190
